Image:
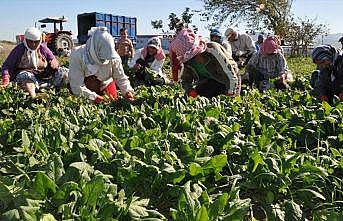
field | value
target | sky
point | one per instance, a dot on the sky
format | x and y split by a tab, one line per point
17	15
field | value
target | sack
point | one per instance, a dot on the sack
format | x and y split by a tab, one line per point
228	65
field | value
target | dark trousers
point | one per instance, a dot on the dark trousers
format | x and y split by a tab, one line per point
211	88
124	60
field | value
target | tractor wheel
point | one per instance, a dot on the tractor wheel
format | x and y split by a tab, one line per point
63	44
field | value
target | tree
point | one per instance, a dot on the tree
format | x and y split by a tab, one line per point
273	15
186	17
302	33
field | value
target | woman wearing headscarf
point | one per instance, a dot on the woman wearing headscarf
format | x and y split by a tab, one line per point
209	70
96	68
32	65
327	81
147	64
269	65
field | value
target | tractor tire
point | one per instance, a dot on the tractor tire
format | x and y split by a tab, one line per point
63	43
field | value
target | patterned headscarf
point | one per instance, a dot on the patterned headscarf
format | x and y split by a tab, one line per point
324	53
270	46
187	45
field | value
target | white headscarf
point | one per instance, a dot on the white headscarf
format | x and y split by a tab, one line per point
32	34
100	49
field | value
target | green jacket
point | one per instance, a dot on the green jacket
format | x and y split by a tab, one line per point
220	66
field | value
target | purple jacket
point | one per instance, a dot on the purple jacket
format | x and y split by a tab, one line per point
14	58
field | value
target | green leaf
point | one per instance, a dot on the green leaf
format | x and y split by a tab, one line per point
195	169
293	211
25	140
43	185
202	215
257	160
11	215
92	190
137	208
310	193
54	168
47	217
217	162
217	208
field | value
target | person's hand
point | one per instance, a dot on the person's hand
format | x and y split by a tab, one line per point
54	64
5	80
282	77
111	91
324	98
137	67
129	96
192	93
98	100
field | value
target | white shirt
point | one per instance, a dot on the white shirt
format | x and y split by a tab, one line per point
78	71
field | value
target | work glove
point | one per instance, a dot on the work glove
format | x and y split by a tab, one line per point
98	100
5	80
324	98
111	91
192	93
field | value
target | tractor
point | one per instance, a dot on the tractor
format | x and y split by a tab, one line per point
59	41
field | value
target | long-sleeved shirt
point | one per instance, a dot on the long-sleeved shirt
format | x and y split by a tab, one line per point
156	65
125	47
244	45
271	66
10	66
78	71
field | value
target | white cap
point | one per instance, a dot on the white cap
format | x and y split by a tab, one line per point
33	34
154	42
229	32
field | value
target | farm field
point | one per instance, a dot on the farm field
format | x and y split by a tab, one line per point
272	156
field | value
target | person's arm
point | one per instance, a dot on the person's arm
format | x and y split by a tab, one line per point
76	78
323	86
187	79
157	66
132	49
252	64
135	58
50	57
250	45
12	60
175	65
120	78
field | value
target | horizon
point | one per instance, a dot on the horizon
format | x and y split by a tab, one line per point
31	11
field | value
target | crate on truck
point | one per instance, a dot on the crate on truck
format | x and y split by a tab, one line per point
113	23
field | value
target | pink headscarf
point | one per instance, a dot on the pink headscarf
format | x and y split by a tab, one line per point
187	45
270	46
158	56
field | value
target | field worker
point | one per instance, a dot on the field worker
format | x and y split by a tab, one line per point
242	46
327	81
176	66
341	41
216	36
267	65
208	69
147	64
125	47
96	68
258	43
32	65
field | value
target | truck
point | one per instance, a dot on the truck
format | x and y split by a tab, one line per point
113	23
